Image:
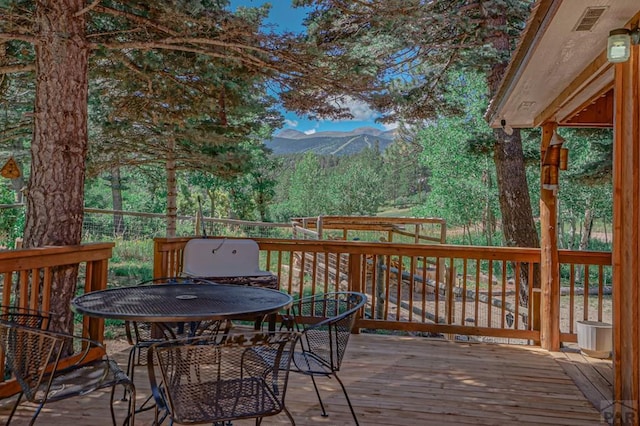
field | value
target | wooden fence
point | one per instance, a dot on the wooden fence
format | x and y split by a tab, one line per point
390	229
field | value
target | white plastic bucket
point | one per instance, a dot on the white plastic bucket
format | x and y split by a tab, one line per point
595	338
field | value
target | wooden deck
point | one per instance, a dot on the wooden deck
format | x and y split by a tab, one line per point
593	376
396	380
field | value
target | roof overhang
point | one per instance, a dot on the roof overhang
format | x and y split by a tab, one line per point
560	72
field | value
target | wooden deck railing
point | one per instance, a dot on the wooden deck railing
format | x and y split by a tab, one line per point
26	280
585	289
445	289
372	228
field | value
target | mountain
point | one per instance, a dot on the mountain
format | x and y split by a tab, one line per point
291	141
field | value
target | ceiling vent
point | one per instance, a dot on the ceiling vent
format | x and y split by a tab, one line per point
589	18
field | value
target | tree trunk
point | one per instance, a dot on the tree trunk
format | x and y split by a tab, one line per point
572	232
262	206
562	238
211	194
488	220
517	216
116	196
515	204
55	197
172	191
587	227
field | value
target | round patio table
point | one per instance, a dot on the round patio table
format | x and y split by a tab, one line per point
181	302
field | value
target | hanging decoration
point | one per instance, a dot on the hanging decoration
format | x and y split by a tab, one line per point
10	170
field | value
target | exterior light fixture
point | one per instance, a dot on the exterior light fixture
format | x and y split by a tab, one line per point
505	127
619	44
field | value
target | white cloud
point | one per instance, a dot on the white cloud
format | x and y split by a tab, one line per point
292	123
309	132
391	126
360	110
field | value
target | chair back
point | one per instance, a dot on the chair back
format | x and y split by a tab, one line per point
25	316
30	354
326	321
209	380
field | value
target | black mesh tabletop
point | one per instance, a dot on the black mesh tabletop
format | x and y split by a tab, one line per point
180	302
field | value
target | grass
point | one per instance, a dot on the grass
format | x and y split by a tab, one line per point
395	212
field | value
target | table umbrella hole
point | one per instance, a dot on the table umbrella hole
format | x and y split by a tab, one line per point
186	296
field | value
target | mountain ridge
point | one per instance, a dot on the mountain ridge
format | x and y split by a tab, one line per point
291	141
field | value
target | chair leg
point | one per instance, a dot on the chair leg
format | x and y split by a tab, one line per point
15	407
113	413
131	365
159	419
131	415
35	415
131	406
293	422
324	412
344	390
346	395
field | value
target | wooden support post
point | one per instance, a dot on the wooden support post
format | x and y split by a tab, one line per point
549	264
626	244
319	227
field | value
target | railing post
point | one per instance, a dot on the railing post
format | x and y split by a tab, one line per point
319	227
355	272
450	296
379	287
159	260
355	280
97	271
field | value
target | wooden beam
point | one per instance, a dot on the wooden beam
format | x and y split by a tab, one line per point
598	113
549	264
626	247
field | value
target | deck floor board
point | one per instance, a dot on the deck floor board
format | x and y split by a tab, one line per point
593	376
395	380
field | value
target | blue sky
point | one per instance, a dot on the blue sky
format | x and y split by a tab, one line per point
287	18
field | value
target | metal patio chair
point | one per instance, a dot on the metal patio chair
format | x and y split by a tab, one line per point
33	356
325	322
217	380
23	316
141	335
